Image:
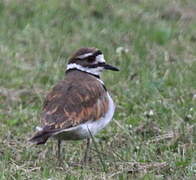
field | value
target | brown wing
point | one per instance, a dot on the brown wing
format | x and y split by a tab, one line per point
74	101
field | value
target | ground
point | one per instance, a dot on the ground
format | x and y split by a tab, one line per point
153	133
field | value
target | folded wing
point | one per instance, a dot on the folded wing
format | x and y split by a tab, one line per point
71	103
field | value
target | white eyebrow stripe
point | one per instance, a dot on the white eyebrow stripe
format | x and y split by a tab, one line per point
85	55
100	58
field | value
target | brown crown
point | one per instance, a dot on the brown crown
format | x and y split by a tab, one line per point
80	52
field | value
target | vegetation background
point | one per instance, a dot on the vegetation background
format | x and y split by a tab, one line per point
153	42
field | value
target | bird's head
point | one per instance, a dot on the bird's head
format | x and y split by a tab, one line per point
90	60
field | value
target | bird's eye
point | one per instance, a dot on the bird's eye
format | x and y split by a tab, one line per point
91	59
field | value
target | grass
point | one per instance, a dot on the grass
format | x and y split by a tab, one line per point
152	135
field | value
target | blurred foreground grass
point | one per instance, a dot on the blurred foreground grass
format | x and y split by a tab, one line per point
153	42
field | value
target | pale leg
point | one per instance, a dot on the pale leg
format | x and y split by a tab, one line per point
59	150
87	150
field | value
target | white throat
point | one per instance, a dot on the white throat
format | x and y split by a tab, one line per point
95	71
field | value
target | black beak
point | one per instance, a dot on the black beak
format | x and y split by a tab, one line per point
109	67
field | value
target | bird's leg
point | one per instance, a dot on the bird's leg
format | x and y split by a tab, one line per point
86	151
59	150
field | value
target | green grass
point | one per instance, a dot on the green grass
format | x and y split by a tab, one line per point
152	42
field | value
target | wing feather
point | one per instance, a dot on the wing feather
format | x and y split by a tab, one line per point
71	103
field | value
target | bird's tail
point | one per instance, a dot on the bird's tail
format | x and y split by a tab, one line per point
41	137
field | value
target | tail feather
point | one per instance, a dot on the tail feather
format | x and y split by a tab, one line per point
40	137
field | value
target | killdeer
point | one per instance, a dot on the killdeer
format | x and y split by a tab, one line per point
79	106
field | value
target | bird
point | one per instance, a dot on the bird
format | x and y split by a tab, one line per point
79	106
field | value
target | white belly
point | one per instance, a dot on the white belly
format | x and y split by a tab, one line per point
82	131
